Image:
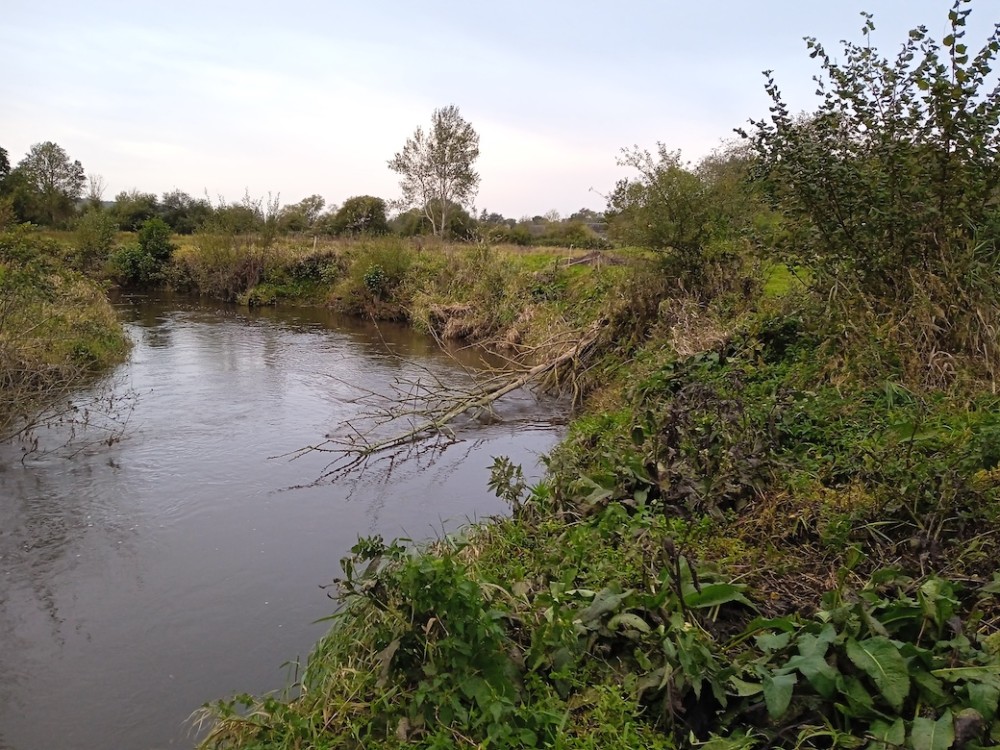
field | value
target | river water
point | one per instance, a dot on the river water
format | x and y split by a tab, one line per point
182	564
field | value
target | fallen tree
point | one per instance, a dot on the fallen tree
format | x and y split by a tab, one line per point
428	408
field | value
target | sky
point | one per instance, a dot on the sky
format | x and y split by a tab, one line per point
298	98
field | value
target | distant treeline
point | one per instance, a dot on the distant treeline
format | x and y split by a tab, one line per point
48	188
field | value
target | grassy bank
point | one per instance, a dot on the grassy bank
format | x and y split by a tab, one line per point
765	530
57	330
772	524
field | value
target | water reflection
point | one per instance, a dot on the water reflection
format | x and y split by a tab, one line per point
139	580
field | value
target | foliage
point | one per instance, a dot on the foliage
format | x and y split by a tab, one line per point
415	222
436	168
378	270
510	636
95	237
48	184
361	214
890	184
57	331
182	213
302	216
572	234
132	207
143	262
664	208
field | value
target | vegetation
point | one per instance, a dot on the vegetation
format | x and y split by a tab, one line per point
774	523
57	331
889	189
436	167
45	184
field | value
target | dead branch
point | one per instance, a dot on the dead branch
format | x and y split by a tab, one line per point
430	411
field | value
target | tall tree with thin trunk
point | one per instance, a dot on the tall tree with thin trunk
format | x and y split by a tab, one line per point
436	167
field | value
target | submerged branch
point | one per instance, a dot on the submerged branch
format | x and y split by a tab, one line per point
431	411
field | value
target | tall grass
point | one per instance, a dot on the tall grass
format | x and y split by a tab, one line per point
57	330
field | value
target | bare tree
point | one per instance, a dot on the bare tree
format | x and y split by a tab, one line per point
95	189
436	167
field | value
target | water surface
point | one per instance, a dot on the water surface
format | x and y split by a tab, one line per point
138	581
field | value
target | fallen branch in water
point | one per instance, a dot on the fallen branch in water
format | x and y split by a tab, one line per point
430	410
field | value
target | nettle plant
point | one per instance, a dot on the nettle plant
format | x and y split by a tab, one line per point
891	183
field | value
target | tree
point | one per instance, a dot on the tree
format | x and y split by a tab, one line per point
416	222
587	215
95	191
436	168
301	216
663	208
4	165
133	207
890	187
184	214
362	214
54	183
899	166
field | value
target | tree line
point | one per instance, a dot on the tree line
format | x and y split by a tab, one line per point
438	182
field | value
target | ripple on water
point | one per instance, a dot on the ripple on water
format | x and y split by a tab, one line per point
140	580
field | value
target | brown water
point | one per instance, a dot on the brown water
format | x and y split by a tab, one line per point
141	580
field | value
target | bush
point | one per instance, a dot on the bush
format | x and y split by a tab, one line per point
154	239
362	214
890	185
133	265
95	237
143	262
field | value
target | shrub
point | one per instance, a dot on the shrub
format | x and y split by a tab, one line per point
143	262
890	185
95	237
154	239
362	214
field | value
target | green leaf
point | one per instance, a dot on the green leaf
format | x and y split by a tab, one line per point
629	621
745	689
714	594
815	669
816	645
984	698
607	600
859	702
778	693
989	675
881	661
930	688
928	734
770	642
888	734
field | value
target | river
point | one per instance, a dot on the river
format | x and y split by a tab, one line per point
183	564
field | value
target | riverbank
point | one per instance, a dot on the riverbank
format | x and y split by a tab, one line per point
759	532
57	333
766	529
772	524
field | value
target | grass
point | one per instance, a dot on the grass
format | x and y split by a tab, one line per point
760	503
57	330
742	511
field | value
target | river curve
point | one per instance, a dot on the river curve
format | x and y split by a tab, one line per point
181	565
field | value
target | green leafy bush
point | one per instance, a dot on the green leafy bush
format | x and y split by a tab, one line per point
94	239
143	262
889	187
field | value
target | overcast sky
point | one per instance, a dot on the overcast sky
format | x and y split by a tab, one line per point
299	97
